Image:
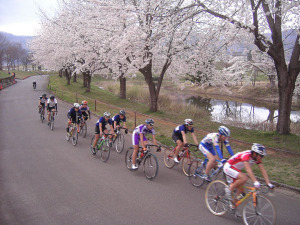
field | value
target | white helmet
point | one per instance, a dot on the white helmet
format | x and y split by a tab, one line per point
76	105
259	149
106	114
224	131
188	122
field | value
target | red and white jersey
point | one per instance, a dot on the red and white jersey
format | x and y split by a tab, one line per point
237	160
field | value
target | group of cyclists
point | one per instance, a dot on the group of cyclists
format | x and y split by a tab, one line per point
209	145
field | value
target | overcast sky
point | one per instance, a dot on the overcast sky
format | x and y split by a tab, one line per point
20	17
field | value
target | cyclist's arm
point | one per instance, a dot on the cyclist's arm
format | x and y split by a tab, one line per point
100	127
124	125
195	138
264	172
154	139
56	107
142	140
219	151
184	137
249	171
112	129
115	124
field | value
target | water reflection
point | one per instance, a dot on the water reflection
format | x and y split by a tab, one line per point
247	115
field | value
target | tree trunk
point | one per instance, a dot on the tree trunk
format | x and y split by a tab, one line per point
60	73
75	77
84	79
68	76
88	82
122	87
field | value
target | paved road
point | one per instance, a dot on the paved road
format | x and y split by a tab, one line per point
45	180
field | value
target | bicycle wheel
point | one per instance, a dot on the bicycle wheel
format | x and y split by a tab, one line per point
215	199
105	151
68	135
195	171
91	148
83	129
42	116
51	122
128	158
263	213
168	158
120	143
74	136
150	166
186	162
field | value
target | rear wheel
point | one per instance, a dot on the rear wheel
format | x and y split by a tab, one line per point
128	158
186	162
169	158
105	151
195	172
263	213
150	166
120	143
215	199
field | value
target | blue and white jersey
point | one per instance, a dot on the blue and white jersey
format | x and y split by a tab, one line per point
43	100
212	139
183	128
84	108
103	122
142	129
118	119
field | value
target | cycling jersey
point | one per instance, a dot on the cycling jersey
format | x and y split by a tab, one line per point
84	108
210	141
118	119
43	100
237	160
72	115
141	129
50	103
103	122
183	128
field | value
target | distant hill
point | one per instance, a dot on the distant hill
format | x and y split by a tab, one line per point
21	39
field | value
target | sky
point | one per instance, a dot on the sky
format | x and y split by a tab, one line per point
21	17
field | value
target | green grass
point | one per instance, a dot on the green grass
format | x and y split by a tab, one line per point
276	164
22	74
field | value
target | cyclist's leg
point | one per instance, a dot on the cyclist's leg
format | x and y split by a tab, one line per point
97	135
179	142
211	162
135	143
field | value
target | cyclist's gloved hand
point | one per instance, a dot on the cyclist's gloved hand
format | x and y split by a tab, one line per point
271	186
256	184
223	161
158	149
126	131
115	130
186	145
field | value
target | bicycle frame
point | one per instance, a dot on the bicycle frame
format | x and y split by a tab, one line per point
252	191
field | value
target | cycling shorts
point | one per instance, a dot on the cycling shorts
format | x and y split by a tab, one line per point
176	137
51	108
205	150
231	170
136	138
97	130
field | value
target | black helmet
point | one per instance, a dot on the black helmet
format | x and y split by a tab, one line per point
122	112
44	95
52	97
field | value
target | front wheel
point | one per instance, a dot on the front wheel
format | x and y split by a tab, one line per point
105	151
120	143
169	158
74	136
150	166
195	172
215	199
52	122
263	213
128	158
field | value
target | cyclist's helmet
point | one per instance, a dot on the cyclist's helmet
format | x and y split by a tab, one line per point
44	95
188	122
84	102
259	149
34	81
52	97
149	122
122	112
224	131
106	114
76	105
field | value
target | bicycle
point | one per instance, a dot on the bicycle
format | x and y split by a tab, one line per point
103	144
149	160
119	139
73	133
186	154
258	211
42	113
51	122
197	170
83	128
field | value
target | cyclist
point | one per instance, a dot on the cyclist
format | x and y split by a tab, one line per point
139	135
85	110
42	101
74	116
34	84
119	118
101	128
207	145
242	160
179	136
51	106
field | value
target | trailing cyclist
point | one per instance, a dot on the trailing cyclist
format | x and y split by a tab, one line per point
119	118
211	141
101	129
51	106
34	84
42	102
139	135
74	116
242	160
179	136
85	110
